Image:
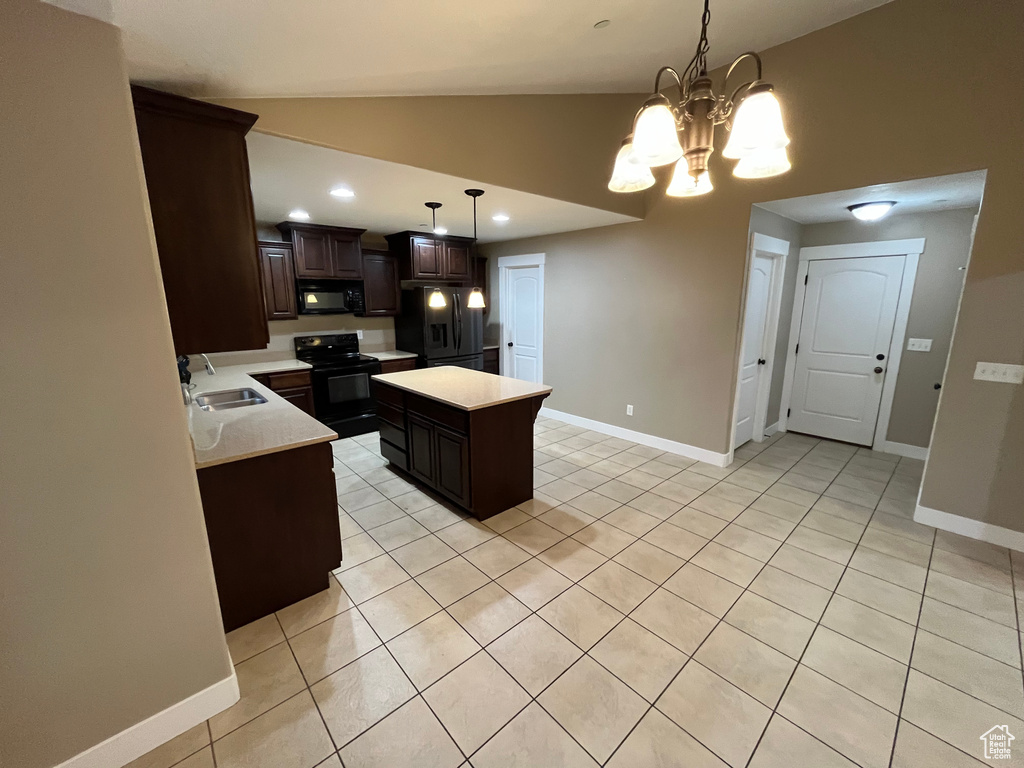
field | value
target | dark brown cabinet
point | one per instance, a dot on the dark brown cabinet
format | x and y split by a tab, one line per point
452	464
425	257
381	289
294	386
197	177
278	280
491	360
421	448
323	252
394	366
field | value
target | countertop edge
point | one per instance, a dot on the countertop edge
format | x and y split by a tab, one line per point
267	452
461	407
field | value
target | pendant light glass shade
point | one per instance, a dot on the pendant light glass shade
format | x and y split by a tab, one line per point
655	138
436	300
684	185
476	299
629	175
757	125
761	165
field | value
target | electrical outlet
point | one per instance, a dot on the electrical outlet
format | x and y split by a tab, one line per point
1004	373
629	410
359	335
919	345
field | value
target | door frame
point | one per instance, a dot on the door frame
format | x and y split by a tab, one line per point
778	250
911	250
506	264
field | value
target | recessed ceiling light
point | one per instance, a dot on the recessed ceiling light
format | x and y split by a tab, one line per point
299	214
602	24
342	192
440	231
871	211
501	218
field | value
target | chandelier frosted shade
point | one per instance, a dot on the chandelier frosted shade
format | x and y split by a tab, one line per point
685	185
629	175
437	300
761	165
476	299
655	141
756	126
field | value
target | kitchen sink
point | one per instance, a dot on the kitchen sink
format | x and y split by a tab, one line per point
229	398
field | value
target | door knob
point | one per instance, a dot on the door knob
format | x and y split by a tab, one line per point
879	357
878	369
938	386
510	343
761	361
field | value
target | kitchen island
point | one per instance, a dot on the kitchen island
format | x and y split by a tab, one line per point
464	434
267	483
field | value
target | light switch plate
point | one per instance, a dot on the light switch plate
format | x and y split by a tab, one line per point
1001	372
919	345
359	335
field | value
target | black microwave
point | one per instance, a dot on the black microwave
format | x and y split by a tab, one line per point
330	298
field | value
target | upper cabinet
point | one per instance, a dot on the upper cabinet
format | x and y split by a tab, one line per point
197	177
278	280
323	252
380	284
425	257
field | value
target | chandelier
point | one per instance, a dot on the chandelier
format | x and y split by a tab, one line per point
684	132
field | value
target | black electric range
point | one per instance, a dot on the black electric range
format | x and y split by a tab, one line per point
341	382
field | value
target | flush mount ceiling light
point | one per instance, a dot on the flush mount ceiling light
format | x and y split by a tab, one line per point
299	215
342	192
501	218
871	211
602	24
683	131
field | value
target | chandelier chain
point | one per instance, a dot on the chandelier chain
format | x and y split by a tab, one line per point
698	65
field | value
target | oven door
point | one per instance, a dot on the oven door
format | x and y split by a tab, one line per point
343	391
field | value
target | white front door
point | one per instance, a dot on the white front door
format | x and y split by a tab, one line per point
523	333
847	325
752	359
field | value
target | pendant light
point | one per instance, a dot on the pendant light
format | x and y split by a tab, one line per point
682	131
436	300
476	296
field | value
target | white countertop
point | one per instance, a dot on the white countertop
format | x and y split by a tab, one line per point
391	354
219	437
463	388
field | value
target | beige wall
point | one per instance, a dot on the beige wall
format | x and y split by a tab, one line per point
108	606
937	288
649	312
771	224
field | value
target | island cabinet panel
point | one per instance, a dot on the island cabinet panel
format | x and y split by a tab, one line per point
272	523
481	459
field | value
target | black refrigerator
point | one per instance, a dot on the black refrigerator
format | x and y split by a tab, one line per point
452	334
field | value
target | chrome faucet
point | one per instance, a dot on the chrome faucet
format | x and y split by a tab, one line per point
209	366
186	395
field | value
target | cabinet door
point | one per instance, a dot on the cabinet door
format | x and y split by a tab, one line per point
300	397
380	284
457	261
278	281
312	254
421	448
346	257
452	468
427	259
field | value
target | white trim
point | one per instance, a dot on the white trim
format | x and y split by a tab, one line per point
911	258
526	260
903	449
771	429
505	266
121	748
974	529
863	250
680	449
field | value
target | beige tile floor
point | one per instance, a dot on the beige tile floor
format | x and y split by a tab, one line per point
642	610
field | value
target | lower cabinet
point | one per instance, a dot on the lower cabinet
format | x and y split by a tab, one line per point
394	366
491	360
294	386
451	476
421	448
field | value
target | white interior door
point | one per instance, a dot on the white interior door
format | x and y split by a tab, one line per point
752	359
846	329
523	332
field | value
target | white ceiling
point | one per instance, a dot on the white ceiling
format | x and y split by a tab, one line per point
399	47
939	193
389	197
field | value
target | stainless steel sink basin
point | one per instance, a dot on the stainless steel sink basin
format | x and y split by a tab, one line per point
229	398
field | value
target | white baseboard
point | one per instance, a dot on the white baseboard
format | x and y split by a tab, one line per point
771	429
681	449
121	748
904	449
974	529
